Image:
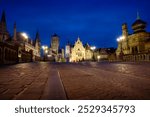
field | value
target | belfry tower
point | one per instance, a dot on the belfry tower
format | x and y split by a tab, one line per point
55	43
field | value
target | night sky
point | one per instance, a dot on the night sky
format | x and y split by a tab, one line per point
97	22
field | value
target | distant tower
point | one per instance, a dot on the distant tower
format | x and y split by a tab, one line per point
124	43
125	30
55	43
38	43
15	32
3	28
67	50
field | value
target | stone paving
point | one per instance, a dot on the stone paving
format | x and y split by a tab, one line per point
91	80
106	80
29	81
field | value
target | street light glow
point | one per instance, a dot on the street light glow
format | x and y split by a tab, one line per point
24	35
44	47
120	38
98	57
46	51
93	48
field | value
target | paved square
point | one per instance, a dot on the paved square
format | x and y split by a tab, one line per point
86	80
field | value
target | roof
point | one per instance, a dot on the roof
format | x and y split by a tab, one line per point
55	35
139	21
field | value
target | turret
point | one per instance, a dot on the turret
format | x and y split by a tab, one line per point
124	30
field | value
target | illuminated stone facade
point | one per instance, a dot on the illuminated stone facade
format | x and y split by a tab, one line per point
79	52
135	46
27	44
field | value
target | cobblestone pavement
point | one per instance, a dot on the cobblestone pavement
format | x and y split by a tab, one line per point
87	80
30	81
91	80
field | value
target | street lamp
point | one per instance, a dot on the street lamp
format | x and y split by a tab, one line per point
120	40
93	49
25	36
45	50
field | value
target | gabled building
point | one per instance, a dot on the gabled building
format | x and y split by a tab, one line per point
88	52
79	52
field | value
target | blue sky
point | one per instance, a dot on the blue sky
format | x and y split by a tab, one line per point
97	22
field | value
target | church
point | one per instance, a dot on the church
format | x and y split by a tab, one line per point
135	46
80	52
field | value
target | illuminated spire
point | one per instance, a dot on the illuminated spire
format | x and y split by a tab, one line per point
37	36
138	15
78	37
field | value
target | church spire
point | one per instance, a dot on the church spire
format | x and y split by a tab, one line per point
78	38
138	15
37	38
3	19
3	22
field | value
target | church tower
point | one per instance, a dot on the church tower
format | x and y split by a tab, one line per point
55	43
4	35
124	42
38	43
124	30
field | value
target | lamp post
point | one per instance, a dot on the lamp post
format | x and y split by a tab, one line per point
25	36
45	51
120	40
93	49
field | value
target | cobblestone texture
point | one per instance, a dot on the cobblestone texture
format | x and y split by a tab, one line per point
75	81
